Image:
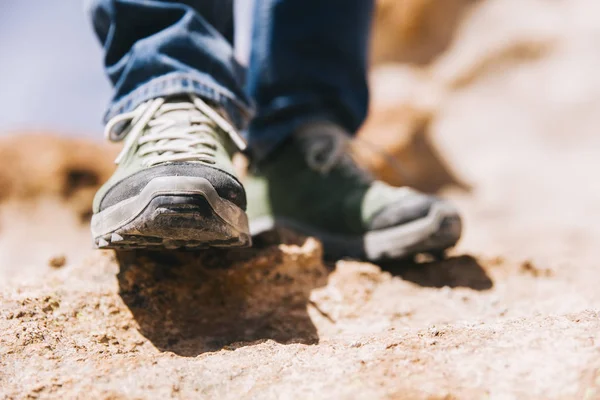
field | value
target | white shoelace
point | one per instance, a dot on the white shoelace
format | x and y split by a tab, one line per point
150	129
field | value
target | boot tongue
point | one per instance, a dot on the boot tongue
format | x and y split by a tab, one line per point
327	146
178	114
182	118
323	144
182	114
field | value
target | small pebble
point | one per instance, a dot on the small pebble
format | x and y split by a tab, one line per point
57	261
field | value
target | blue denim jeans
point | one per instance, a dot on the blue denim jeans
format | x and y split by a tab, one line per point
308	60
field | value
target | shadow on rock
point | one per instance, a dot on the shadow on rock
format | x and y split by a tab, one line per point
193	302
460	271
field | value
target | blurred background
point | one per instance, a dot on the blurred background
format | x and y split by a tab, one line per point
51	70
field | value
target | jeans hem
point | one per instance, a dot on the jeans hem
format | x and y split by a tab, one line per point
181	83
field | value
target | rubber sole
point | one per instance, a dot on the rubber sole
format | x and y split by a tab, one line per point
170	213
433	234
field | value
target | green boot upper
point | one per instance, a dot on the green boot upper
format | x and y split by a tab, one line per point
313	181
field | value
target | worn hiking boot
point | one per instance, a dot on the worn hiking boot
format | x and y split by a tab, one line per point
175	185
312	185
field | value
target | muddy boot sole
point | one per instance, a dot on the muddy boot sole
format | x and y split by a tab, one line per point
171	213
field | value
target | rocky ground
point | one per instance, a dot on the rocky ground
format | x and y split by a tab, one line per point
503	121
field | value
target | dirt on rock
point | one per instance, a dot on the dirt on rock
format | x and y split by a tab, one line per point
513	312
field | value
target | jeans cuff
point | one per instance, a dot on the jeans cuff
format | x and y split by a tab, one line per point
181	83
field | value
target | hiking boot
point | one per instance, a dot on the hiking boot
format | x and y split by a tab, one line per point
312	185
175	184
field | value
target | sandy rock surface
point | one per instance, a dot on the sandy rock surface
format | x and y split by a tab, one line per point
510	112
